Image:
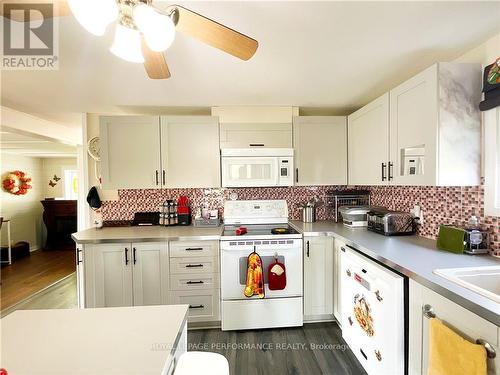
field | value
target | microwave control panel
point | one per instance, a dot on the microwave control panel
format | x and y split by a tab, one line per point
285	171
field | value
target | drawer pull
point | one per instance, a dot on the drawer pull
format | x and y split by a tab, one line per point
195	282
491	353
196	306
194	265
194	249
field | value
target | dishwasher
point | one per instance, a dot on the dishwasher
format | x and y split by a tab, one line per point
374	313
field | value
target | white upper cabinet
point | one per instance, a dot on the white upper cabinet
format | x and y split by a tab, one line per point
130	152
425	132
320	144
140	152
435	127
368	135
190	152
245	127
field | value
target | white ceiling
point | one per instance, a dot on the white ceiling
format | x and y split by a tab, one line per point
33	146
336	56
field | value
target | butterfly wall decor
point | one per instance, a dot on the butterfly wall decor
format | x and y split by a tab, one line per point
55	178
52	183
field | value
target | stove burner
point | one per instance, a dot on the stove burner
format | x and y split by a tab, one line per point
280	231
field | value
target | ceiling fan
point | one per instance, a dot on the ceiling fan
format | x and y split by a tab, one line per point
143	32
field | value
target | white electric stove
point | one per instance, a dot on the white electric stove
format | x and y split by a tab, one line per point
268	234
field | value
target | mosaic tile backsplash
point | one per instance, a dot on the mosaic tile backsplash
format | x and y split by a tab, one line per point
440	205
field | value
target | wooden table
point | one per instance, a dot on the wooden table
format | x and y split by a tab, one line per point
118	340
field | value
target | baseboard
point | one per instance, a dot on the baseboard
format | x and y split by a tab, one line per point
34	248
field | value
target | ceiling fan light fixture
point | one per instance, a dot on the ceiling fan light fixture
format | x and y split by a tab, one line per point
94	15
127	44
158	29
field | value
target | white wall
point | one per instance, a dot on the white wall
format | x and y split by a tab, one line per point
24	211
55	166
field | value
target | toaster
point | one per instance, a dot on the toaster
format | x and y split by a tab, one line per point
391	223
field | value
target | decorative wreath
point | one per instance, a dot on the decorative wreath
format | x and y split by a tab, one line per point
17	183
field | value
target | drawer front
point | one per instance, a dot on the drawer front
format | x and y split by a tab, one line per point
204	305
182	249
193	265
196	281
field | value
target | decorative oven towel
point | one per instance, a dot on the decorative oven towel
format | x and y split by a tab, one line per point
255	276
451	354
276	275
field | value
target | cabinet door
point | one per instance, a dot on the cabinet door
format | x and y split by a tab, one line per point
462	321
112	275
368	135
80	276
190	152
318	278
413	129
247	135
150	273
130	152
320	145
337	289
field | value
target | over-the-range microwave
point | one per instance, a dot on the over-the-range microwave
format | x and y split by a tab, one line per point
249	167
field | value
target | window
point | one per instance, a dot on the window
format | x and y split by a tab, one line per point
70	184
492	162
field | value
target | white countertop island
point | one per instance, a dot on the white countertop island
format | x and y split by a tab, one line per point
121	340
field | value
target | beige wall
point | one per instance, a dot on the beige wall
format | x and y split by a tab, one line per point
55	166
25	211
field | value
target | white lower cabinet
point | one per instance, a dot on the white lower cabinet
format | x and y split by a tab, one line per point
126	274
337	287
461	320
195	278
318	278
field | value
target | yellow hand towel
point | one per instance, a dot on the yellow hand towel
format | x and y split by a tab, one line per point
451	354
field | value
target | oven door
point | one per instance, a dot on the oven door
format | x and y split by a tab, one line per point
234	267
246	171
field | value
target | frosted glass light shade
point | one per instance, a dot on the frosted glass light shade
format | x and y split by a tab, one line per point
94	15
127	44
158	29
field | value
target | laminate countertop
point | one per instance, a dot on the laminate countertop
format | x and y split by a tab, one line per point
415	257
115	340
146	234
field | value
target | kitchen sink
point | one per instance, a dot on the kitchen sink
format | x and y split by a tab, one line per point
482	280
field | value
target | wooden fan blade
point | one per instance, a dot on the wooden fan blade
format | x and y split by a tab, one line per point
214	34
155	63
60	8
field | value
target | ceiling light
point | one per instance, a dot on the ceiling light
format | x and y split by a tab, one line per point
158	29
94	15
127	44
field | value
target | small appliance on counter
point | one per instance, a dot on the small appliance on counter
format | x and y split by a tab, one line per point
354	216
146	218
207	218
183	211
391	223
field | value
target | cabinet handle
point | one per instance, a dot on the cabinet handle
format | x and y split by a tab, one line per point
196	306
126	256
194	265
391	170
307	247
194	249
157	177
78	261
195	282
256	144
384	166
164	177
134	250
296	174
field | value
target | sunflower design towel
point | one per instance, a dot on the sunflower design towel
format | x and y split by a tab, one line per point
255	276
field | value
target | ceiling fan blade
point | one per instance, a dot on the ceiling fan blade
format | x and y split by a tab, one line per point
155	63
60	9
213	33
